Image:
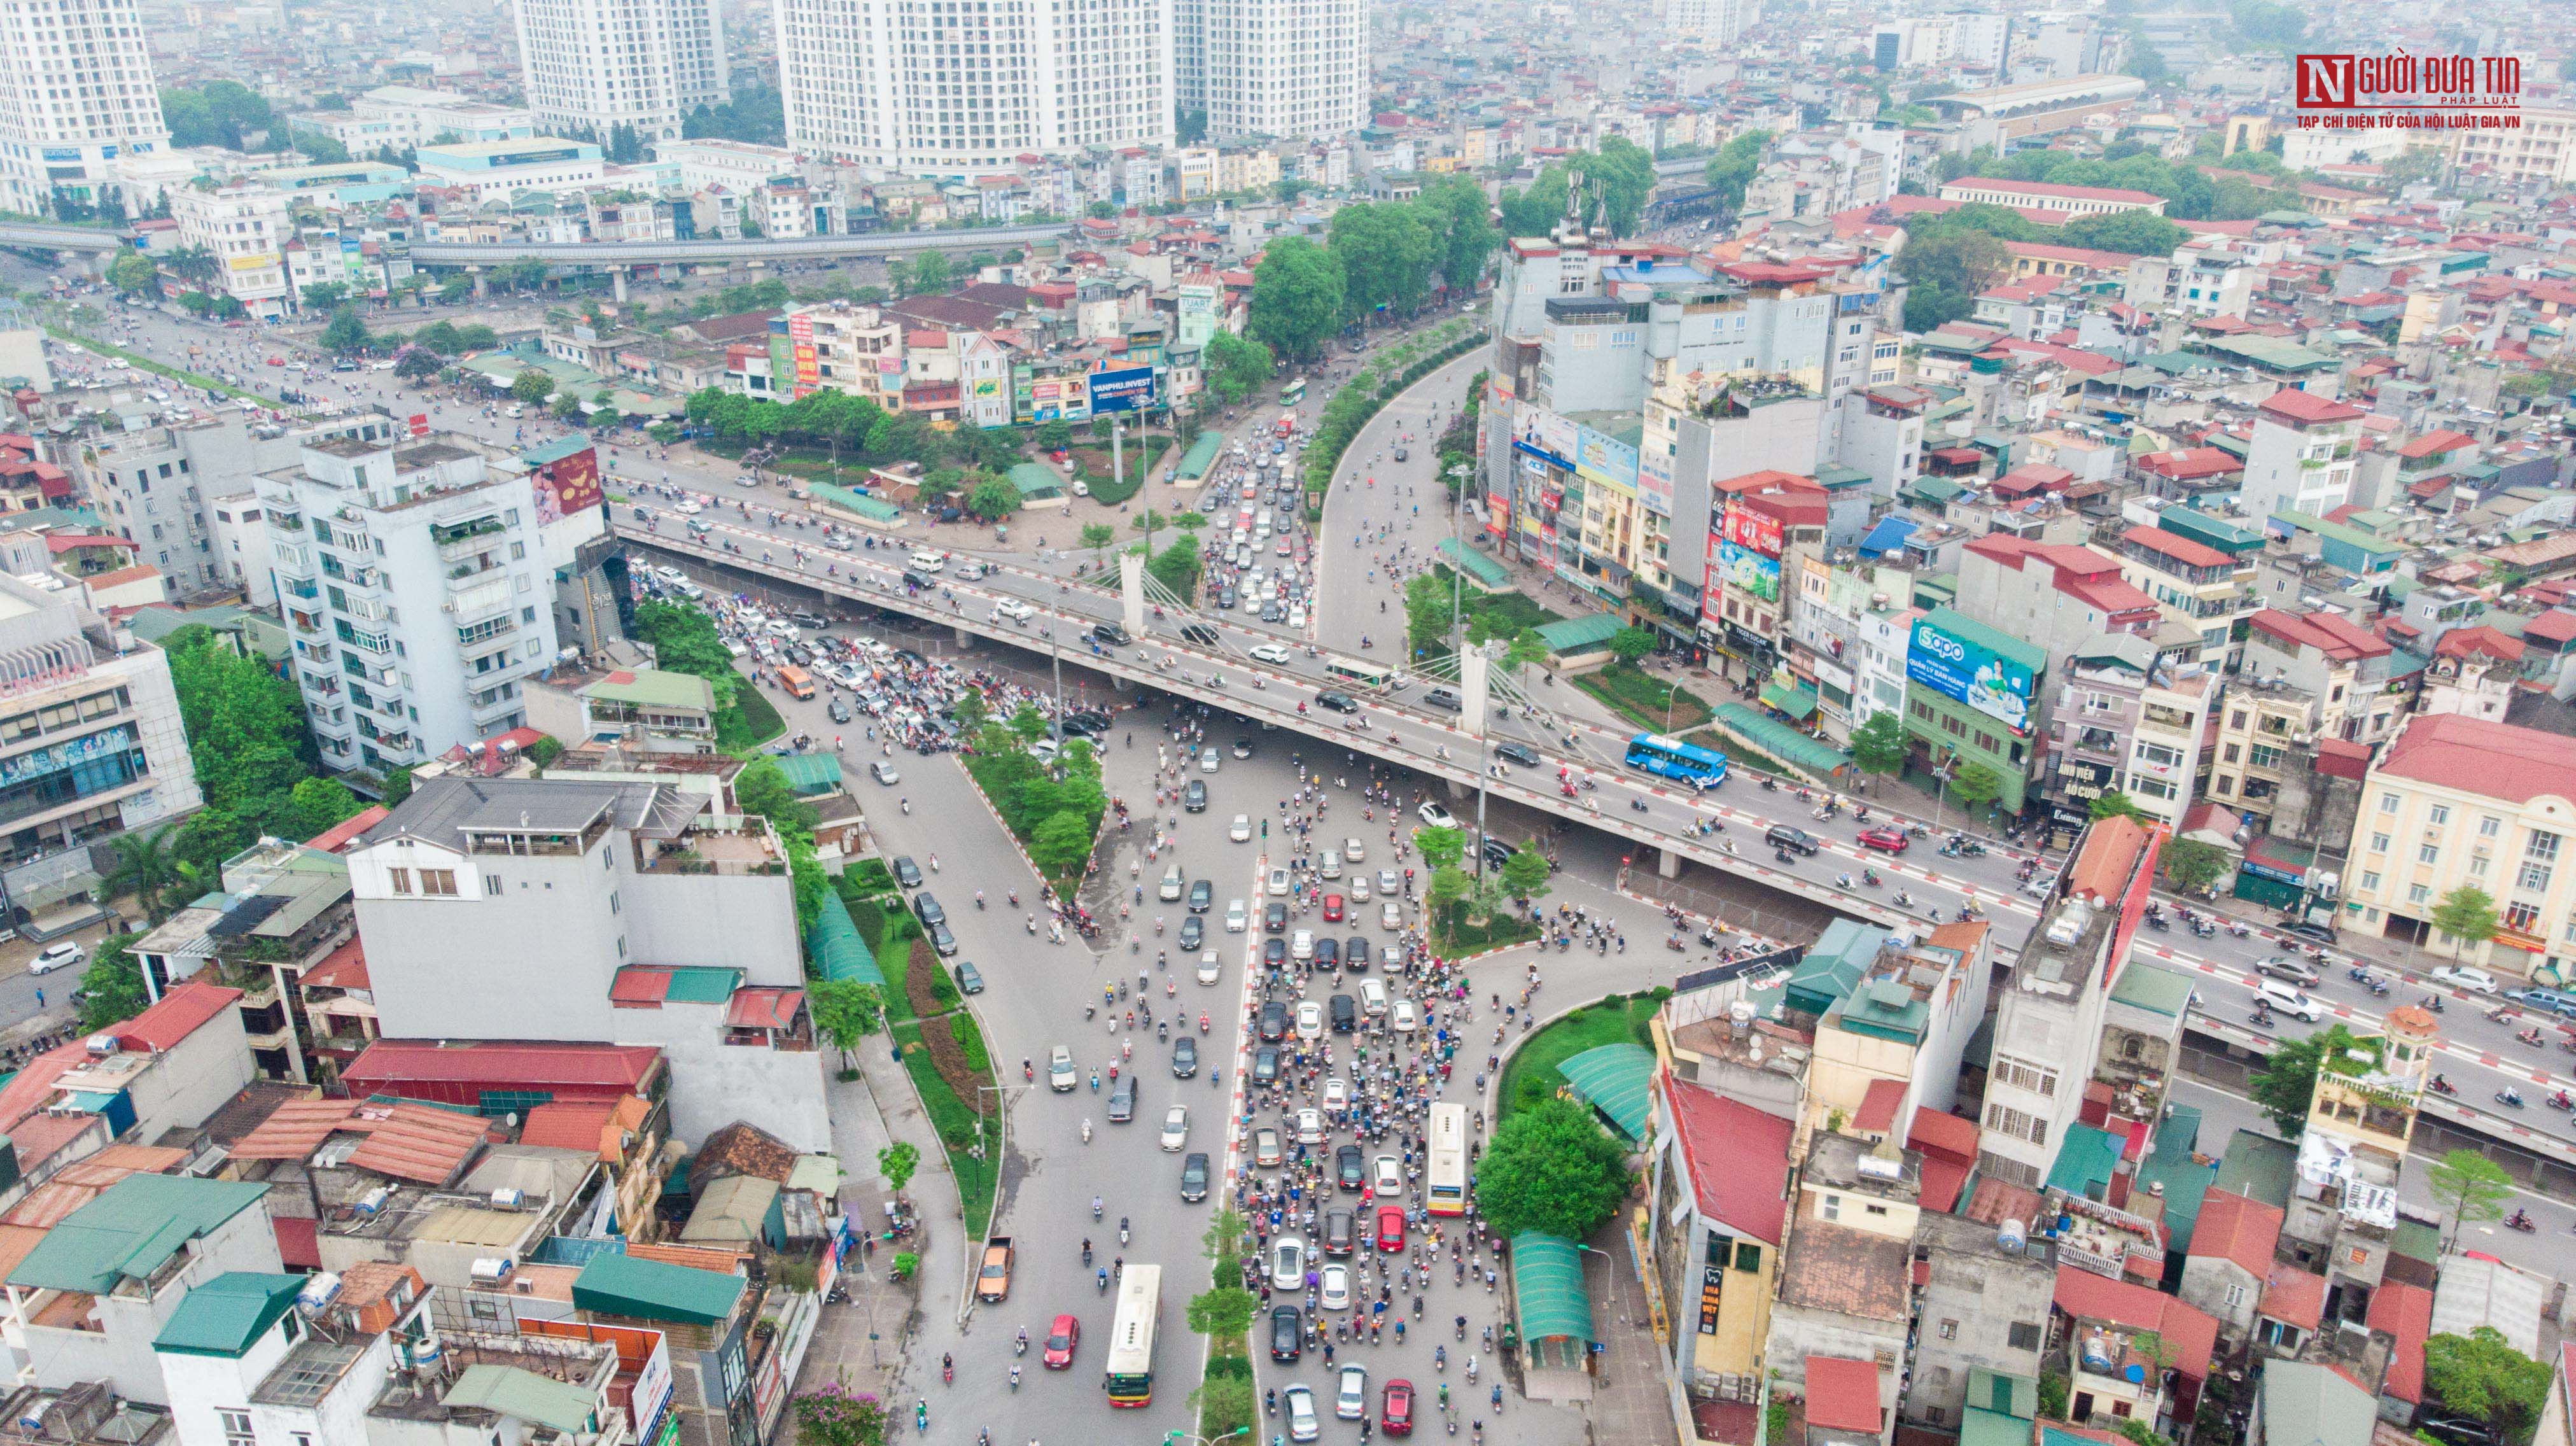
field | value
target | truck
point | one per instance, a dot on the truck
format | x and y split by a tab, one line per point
993	1278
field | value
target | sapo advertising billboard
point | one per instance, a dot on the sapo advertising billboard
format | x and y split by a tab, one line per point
1970	673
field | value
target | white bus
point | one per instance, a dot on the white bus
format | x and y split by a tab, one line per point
1356	670
1448	1159
1131	1338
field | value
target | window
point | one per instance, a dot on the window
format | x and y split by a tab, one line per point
439	882
2038	1079
491	887
2426	854
2534	878
2022	1336
1949	1330
236	1425
2541	847
1830	1206
401	880
1748	1256
2387	801
2438	814
2379	843
2370	883
2005	1121
2489	825
2418	893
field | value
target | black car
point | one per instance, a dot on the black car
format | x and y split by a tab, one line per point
941	941
1328	953
969	980
1194	1176
1444	699
914	579
1795	840
1185	1056
1274	953
1202	894
1345	1012
926	905
1225	597
1355	954
1272	612
2300	928
906	872
1265	1065
1274	917
1199	633
1243	748
1193	933
839	711
1520	753
1349	1170
1341	1232
1274	1021
1338	702
1194	797
1122	1100
1085	722
1109	635
1497	853
1287	1333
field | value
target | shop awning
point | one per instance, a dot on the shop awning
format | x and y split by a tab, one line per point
1478	566
1798	700
1547	1286
1769	734
1616	1079
836	948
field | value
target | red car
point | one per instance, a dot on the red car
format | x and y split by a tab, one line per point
1888	840
1332	908
1390	1229
1062	1337
277	361
1396	1416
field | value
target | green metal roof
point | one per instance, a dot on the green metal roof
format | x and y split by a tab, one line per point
2153	986
1760	730
1547	1288
655	688
701	984
1798	700
650	1290
1478	566
811	773
526	1396
2085	1158
131	1230
227	1314
1580	635
2185	1181
1034	480
2004	1394
1617	1080
2258	1167
874	509
1201	456
836	949
1829	971
1981	1427
2030	655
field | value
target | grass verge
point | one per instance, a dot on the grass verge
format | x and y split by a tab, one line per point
954	1120
752	720
1532	1075
1643	701
1454	935
145	363
1091	464
1500	614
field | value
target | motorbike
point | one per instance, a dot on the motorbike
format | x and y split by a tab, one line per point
2520	1220
2432	1002
2441	1086
2510	1099
2532	1037
2561	1101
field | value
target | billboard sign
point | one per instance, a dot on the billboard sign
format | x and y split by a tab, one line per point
1605	460
1537	430
1748	573
1753	531
1970	673
1655	483
1130	390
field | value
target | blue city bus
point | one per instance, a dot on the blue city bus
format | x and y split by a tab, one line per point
1688	762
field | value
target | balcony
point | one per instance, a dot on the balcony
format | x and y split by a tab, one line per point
486	632
461	544
301	587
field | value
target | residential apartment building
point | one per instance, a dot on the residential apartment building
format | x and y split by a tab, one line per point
2541	151
2129	720
1274	68
1711	22
2458	802
245	227
76	97
666	924
2300	457
2195	584
163	485
2067	201
593	65
2309	683
927	91
415	585
2205	278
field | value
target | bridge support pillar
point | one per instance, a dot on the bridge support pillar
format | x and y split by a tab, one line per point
1668	863
966	640
1460	788
617	283
1122	684
482	286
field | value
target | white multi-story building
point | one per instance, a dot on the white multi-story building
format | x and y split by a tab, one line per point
2300	458
415	588
1711	22
245	228
76	93
934	89
738	166
592	65
1289	68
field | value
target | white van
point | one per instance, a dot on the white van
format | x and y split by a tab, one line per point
929	561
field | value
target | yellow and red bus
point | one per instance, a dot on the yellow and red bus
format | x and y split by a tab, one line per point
1448	1160
1131	1338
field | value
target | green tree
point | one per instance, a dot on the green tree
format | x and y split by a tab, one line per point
994	499
837	1415
565	406
1534	209
1631	643
132	272
346	333
1976	785
1552	1169
2137	233
2467	916
1616	180
196	303
2482	1375
2191	865
1734	166
1224	1310
1525	874
1061	842
1428	602
1960	262
1236	366
845	1011
112	986
1461	221
1386	255
1097	536
532	386
897	1162
1449	884
147	864
1177	567
762	788
932	271
1440	846
2469	1186
2287	1083
419	363
2112	803
1149	522
1296	301
1879	744
319	805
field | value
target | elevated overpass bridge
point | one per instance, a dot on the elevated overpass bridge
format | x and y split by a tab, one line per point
89	240
619	257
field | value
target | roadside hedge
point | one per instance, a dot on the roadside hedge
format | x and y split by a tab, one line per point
1350	410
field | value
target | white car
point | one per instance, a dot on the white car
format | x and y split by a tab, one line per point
1357	890
1299	1400
1208	759
1278	883
1330	865
1241	829
1301	945
1407	1017
1270	653
1390	916
1288	1263
1310	1127
1436	816
885	773
1389	883
1310	1020
2287	1000
1172	886
1337	1286
1210	968
2461	976
1337	1093
1372	997
929	561
65	955
1014	609
1238	916
1350	1400
1351	851
1386	1175
1176	1127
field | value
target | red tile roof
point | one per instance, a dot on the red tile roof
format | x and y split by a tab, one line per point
343	968
2293	1297
2555	626
2462	642
501	1063
2110	853
568	1125
2330	633
1842	1395
407	1141
1878	1105
765	1008
2406	1313
2235	1228
2189	1333
2435	443
1944	1133
1738	1159
2191	463
2043	188
179	1014
2493	760
2299	406
2180	549
340	835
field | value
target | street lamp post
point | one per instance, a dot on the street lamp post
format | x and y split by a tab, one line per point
1457	567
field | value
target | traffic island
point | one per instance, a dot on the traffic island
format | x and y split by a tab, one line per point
1531	1073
